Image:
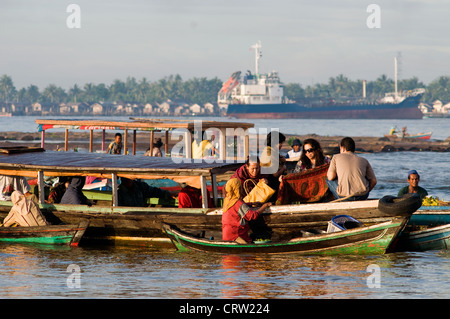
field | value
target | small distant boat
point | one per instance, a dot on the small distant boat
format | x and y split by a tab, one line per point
420	136
51	234
367	240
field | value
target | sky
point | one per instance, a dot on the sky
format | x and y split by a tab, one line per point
306	41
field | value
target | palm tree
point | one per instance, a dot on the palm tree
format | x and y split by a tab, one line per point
7	89
74	92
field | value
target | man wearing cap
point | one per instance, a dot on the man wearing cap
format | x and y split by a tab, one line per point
296	152
413	180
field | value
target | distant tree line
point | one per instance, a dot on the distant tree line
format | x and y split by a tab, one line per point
203	90
342	87
196	90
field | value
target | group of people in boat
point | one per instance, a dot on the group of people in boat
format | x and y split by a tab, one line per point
349	177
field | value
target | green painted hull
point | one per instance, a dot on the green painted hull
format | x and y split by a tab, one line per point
51	234
372	240
57	240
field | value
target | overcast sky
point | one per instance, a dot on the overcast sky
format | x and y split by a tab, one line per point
305	41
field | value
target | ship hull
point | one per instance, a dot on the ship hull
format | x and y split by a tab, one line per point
407	109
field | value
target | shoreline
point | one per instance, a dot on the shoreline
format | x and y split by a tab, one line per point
364	144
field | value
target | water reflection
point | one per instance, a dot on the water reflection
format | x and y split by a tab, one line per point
124	272
294	276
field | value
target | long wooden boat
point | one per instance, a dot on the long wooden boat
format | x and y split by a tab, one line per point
143	225
428	229
51	234
368	240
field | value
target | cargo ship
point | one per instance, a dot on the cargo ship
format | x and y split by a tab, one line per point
261	96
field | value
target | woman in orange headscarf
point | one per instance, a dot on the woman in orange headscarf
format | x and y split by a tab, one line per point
236	214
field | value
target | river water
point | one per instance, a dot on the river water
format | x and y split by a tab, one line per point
37	271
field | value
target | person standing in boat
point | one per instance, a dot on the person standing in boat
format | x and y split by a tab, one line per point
350	176
312	156
236	214
116	146
413	187
24	213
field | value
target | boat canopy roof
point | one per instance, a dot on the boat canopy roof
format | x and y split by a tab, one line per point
139	124
53	163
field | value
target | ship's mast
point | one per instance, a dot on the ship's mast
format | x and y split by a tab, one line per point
258	55
395	78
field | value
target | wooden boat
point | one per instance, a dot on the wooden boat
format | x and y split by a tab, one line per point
420	136
51	234
428	229
367	240
143	225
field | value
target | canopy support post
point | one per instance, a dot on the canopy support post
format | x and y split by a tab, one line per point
214	189
103	140
91	141
204	192
43	139
66	140
41	187
115	197
166	146
134	142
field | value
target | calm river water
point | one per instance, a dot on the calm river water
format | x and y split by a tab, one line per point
36	271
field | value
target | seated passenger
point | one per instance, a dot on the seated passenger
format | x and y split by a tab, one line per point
312	156
134	193
25	212
58	190
236	214
191	197
250	170
413	180
74	192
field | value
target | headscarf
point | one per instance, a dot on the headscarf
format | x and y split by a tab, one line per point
21	204
74	193
233	190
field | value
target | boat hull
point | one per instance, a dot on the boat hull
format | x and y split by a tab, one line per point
52	234
428	229
407	109
372	240
143	226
